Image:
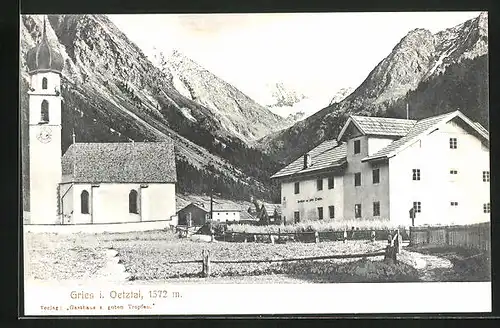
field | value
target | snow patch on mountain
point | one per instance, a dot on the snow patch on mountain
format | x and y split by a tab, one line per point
180	86
187	114
341	94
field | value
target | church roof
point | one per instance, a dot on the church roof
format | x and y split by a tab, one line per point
134	162
43	57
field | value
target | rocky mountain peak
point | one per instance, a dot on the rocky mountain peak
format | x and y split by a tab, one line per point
416	39
433	73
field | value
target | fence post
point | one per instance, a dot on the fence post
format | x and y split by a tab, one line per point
272	238
279	234
255	238
372	236
390	253
208	263
398	242
345	235
203	264
316	237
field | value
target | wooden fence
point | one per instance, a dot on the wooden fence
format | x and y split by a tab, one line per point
390	254
469	236
309	236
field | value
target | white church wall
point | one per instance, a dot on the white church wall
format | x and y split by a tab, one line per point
109	203
98	228
67	202
157	201
78	217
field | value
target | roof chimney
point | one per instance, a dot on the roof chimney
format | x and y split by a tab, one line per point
307	161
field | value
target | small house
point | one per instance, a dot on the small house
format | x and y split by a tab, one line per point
270	213
197	213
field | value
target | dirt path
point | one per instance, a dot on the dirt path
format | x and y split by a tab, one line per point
427	265
113	271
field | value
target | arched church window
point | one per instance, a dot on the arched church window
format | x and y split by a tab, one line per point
45	111
84	202
133	201
44	83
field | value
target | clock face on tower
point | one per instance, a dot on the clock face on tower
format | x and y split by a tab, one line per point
45	134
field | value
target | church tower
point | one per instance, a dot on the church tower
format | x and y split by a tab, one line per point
45	65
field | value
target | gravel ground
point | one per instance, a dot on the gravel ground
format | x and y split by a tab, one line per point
51	256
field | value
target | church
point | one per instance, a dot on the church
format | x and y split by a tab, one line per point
92	183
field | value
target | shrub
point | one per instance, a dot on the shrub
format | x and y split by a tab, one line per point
362	270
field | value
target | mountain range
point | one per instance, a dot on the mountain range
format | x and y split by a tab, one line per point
113	92
427	73
224	139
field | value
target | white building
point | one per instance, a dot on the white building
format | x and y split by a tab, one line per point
380	168
92	182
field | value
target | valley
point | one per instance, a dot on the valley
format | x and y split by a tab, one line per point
224	139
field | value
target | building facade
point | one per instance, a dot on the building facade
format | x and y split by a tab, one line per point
197	214
380	168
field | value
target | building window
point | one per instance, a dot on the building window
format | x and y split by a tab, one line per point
357	210
44	83
319	184
133	202
454	203
84	202
297	188
320	213
453	143
331	211
296	217
357	179
357	146
416	174
376	208
331	183
486	208
486	176
417	206
454	172
45	111
376	175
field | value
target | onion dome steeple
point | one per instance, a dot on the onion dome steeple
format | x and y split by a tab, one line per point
43	57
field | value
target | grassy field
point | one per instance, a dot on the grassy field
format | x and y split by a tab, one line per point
149	260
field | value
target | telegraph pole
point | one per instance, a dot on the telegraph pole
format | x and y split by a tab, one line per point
211	194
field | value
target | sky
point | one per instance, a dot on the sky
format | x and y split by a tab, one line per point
316	53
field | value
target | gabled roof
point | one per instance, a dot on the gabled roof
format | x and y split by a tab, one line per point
135	162
382	126
270	208
217	206
328	154
421	128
